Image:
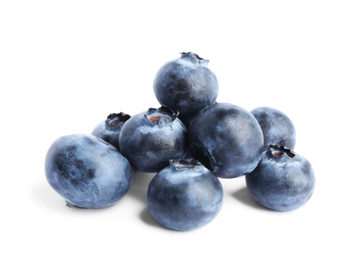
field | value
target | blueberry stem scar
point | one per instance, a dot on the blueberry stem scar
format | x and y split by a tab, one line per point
116	119
162	114
279	150
184	163
196	55
115	122
156	119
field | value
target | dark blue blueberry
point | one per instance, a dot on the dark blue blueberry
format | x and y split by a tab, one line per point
185	195
227	139
109	129
282	181
87	171
186	85
150	139
277	127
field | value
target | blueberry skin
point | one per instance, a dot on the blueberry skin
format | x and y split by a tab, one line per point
282	181
150	139
186	85
227	139
184	196
277	127
109	129
87	171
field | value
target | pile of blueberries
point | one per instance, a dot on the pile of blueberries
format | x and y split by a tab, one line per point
190	141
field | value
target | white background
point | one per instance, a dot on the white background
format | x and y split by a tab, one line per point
66	65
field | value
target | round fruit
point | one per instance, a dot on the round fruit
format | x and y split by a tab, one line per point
87	171
185	195
277	127
150	139
109	129
282	181
186	85
227	139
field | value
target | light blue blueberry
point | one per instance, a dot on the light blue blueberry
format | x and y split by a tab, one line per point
186	85
109	129
277	127
282	181
87	171
227	139
150	139
184	196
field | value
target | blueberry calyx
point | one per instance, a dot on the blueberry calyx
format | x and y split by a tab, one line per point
194	58
278	151
180	164
115	119
160	115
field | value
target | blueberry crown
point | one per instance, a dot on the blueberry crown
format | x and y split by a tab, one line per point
159	115
279	150
117	118
180	164
194	58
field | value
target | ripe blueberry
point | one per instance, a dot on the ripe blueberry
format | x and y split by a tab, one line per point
185	195
109	129
227	139
282	181
277	127
186	85
87	171
150	139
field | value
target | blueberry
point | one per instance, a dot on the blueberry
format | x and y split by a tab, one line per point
227	139
109	129
87	171
185	195
150	139
282	181
186	85
277	127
